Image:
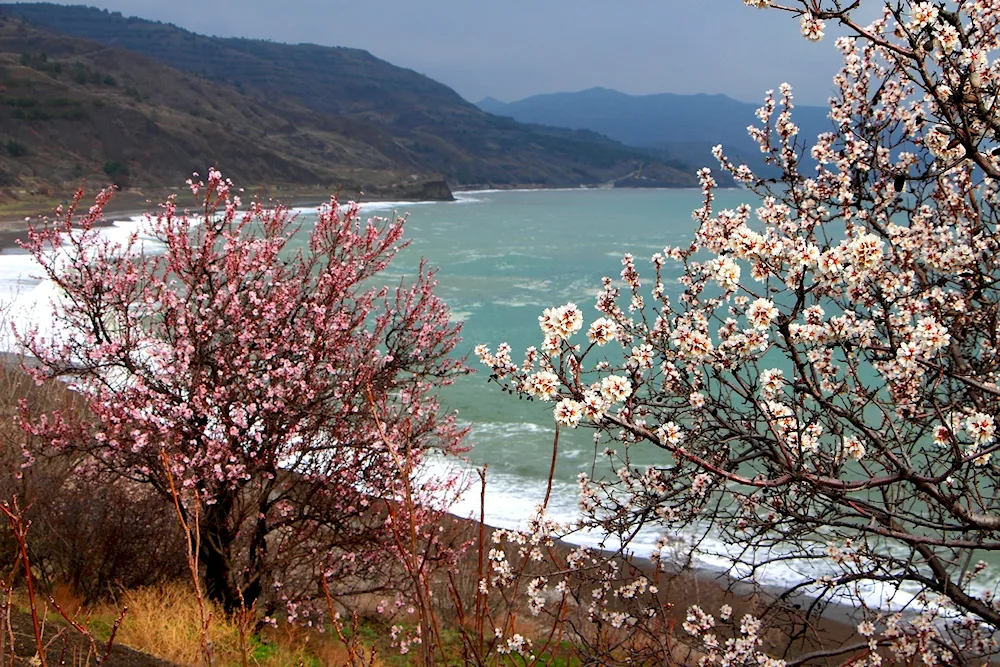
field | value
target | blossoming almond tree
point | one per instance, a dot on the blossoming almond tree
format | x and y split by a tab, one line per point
823	384
280	385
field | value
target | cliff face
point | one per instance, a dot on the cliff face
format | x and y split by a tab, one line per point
404	120
436	191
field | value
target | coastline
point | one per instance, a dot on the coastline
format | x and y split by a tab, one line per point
14	221
484	188
129	203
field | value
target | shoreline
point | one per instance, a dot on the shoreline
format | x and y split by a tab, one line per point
124	205
14	223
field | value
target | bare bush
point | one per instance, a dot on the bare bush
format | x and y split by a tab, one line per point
92	530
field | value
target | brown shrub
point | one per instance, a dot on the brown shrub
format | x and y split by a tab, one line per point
90	529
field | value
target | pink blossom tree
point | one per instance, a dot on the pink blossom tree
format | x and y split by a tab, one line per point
276	389
824	384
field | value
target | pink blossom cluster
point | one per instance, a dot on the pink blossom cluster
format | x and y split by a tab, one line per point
287	392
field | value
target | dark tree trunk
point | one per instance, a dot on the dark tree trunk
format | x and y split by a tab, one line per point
257	557
216	552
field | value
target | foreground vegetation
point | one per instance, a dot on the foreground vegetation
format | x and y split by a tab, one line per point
116	563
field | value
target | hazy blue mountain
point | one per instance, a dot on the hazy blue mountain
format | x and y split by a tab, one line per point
685	125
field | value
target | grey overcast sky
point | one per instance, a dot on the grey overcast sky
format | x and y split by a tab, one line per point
511	49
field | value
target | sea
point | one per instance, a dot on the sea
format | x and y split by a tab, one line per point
502	258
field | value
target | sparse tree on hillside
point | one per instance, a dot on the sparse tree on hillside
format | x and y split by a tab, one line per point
290	394
824	384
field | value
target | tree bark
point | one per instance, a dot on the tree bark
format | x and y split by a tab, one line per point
217	538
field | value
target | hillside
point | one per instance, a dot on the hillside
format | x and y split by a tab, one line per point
686	126
73	111
427	125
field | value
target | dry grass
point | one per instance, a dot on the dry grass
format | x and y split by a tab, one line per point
164	621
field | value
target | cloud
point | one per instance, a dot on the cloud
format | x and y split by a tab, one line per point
517	48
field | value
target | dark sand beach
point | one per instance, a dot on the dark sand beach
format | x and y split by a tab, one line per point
14	225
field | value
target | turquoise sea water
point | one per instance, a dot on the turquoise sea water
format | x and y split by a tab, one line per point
503	257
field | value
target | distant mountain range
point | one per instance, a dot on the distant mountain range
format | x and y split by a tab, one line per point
683	126
92	94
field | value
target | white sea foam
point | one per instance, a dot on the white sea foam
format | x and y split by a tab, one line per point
533	285
506	430
459	315
584	291
520	302
512	500
369	207
20	292
30	298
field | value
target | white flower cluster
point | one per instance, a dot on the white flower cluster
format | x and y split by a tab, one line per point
812	28
562	322
854	448
726	272
923	14
761	313
981	429
670	433
602	331
568	412
543	385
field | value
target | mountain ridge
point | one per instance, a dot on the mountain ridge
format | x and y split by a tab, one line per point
686	126
74	112
420	123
